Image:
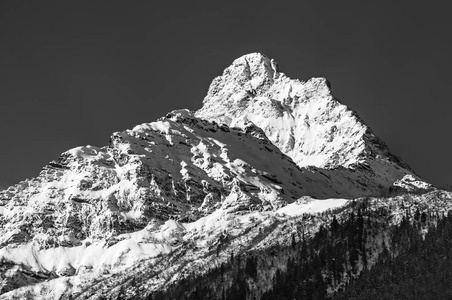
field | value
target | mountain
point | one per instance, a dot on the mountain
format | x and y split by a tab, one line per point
270	176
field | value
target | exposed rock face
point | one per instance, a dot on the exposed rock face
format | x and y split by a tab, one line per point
183	193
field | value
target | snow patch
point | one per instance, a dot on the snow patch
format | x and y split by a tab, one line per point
311	206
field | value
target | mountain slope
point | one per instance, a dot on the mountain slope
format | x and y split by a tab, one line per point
296	252
180	168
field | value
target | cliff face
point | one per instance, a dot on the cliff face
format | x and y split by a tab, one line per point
227	194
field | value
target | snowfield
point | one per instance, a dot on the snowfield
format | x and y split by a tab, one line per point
311	206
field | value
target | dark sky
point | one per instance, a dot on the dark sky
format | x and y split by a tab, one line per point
73	72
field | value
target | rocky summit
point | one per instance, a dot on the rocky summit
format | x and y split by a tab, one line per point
219	203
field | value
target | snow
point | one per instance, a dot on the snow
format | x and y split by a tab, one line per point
89	153
311	206
411	183
6	212
96	256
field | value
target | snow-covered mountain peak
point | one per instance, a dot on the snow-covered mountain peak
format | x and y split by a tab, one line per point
253	66
252	73
303	119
